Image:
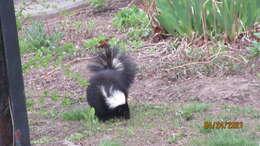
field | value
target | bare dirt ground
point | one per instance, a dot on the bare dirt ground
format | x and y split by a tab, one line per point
153	85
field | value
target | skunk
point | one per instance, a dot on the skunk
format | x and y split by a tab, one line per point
107	93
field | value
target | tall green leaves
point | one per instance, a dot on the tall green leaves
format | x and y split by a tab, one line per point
208	16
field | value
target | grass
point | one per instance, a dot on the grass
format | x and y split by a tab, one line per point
80	114
148	119
242	111
76	136
224	137
110	143
187	112
43	140
99	5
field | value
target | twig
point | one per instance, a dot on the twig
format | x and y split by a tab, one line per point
204	62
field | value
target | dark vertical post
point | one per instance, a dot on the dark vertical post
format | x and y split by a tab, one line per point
11	81
6	130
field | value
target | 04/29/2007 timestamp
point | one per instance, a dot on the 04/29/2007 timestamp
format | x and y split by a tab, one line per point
224	125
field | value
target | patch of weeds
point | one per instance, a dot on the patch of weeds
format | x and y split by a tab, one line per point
187	112
29	103
42	99
110	143
66	101
38	40
54	96
99	5
224	137
43	140
134	21
255	49
53	114
92	44
176	138
136	44
44	47
76	137
80	114
243	111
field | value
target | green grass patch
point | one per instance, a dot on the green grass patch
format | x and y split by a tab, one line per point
242	111
76	137
43	140
79	114
110	143
224	137
187	112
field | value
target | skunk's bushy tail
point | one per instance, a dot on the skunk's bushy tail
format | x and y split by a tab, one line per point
115	60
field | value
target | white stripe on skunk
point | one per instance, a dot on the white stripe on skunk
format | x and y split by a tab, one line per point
115	99
117	64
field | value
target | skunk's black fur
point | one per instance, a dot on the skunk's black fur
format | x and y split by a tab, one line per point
107	93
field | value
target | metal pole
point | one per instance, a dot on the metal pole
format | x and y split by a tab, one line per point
12	85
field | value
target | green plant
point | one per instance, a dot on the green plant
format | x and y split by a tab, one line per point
134	21
99	5
207	16
92	44
187	111
38	40
80	114
54	96
45	48
66	101
29	103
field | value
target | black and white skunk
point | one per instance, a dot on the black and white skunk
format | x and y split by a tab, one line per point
107	93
